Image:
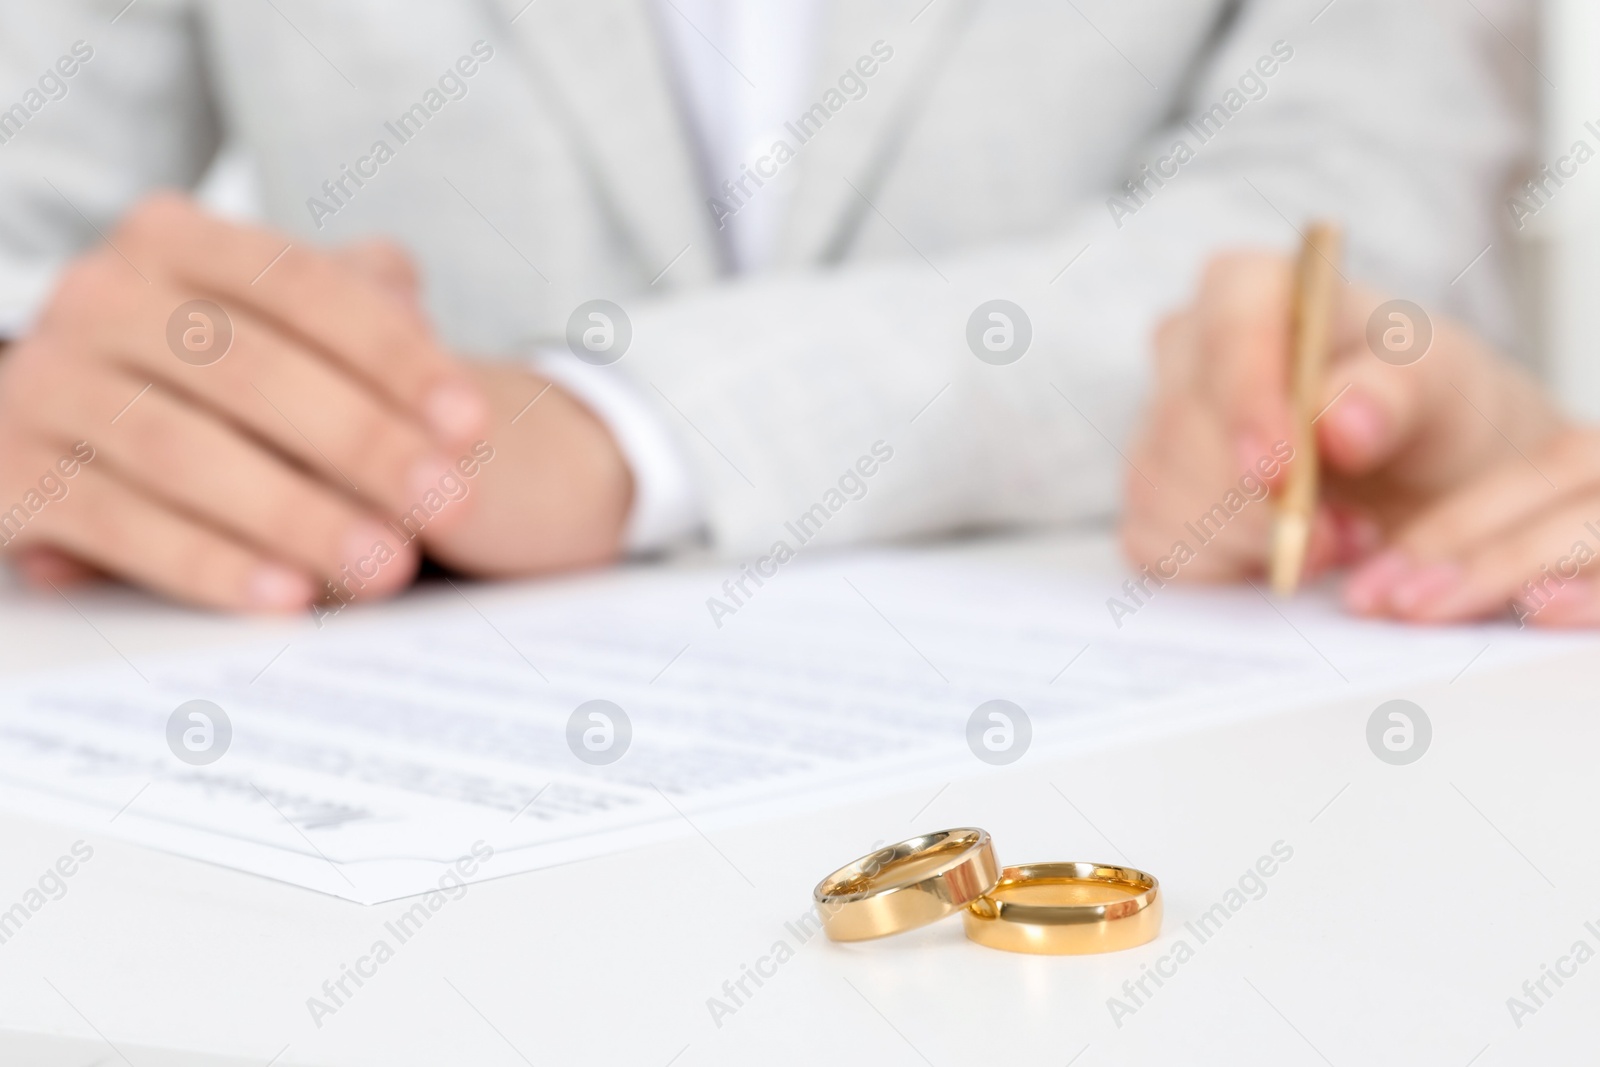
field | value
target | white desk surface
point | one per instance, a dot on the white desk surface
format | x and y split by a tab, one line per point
1418	899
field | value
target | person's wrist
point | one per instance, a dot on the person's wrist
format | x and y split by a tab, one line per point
550	489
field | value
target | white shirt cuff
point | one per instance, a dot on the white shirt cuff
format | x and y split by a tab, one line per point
667	506
23	291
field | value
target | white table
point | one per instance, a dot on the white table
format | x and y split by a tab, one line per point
1418	899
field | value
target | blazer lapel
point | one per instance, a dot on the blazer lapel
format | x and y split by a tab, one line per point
843	164
601	65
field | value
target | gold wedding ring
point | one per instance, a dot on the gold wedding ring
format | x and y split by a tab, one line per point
904	886
1059	909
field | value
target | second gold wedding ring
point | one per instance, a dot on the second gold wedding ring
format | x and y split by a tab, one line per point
910	884
1061	909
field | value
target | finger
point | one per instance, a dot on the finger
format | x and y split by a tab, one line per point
1527	561
1571	605
1329	543
1180	364
1201	509
1355	534
1371	410
1247	307
1367	588
267	383
1244	311
200	466
41	567
1367	411
1176	345
344	433
125	533
385	263
341	313
1504	498
1176	547
1209	509
1369	404
1430	422
326	420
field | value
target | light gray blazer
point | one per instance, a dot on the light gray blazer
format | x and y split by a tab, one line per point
984	160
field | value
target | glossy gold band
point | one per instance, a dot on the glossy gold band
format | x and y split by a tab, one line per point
1060	909
906	885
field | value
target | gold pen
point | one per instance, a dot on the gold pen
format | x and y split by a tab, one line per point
1315	289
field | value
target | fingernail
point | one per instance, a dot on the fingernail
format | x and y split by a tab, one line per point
1249	449
364	540
278	588
425	477
1428	584
1359	535
1368	587
1570	603
1359	421
455	410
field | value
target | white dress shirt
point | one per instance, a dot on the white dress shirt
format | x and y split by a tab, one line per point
743	68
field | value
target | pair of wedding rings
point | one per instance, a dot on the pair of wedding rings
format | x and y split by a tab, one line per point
1051	909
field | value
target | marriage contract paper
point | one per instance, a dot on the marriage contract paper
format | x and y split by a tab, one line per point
378	749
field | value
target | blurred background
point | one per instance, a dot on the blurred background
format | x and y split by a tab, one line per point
1561	260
